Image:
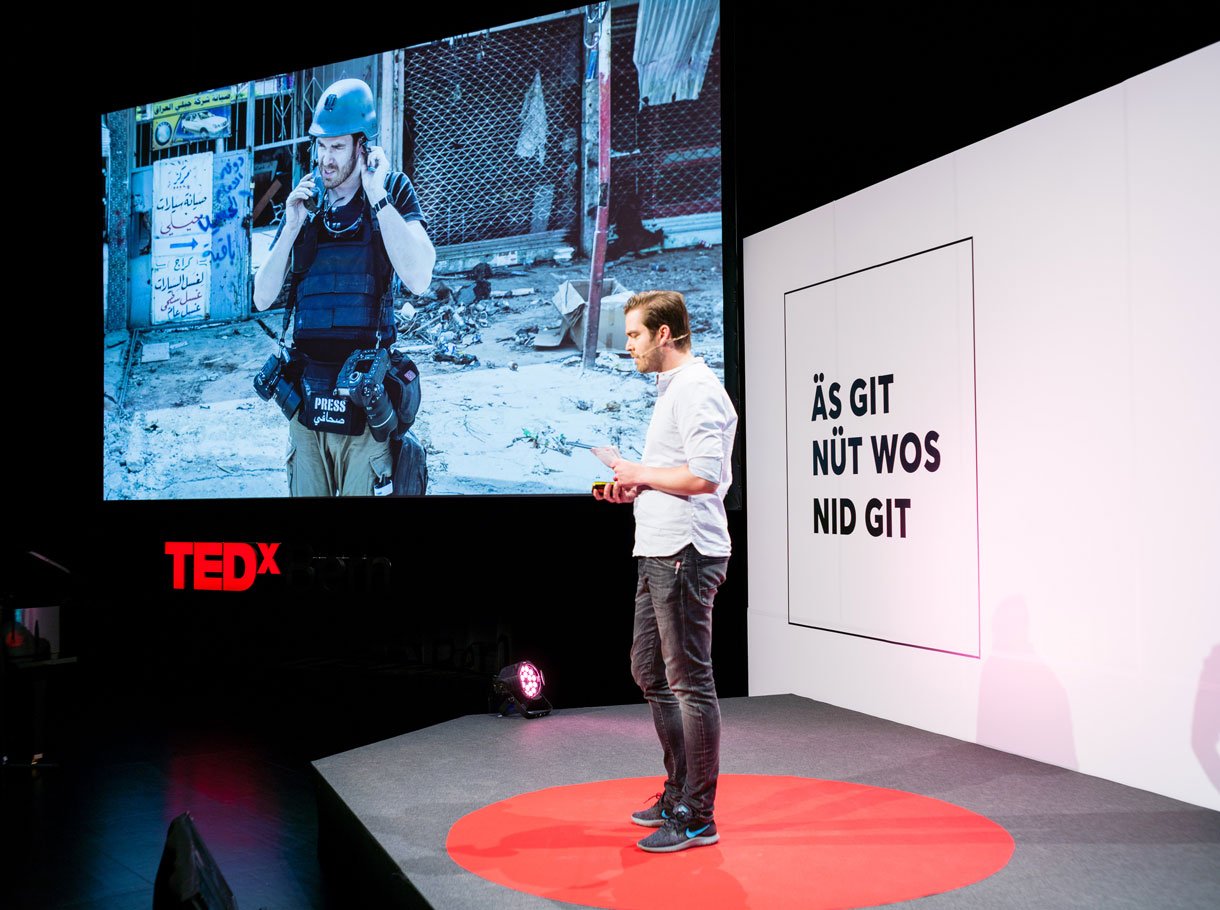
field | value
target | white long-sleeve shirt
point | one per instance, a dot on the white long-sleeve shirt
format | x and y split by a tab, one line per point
693	424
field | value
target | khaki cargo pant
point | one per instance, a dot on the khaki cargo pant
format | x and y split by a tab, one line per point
328	464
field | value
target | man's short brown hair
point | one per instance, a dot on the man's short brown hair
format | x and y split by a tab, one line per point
663	308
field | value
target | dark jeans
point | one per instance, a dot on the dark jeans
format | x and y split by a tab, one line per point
671	660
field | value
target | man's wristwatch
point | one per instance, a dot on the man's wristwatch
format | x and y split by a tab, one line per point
382	203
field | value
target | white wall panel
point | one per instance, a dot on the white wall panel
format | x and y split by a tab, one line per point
1095	241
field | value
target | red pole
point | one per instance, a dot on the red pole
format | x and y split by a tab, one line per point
597	271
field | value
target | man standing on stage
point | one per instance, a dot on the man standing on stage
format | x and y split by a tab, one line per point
682	546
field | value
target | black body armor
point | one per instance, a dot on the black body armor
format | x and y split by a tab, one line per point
343	299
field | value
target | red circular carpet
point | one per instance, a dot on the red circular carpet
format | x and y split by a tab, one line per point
784	842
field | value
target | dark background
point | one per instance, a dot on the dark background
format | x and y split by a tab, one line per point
826	102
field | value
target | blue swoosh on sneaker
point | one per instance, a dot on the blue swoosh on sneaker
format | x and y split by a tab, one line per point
696	833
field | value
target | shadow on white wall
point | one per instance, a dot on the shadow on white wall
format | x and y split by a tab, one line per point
1205	732
1023	708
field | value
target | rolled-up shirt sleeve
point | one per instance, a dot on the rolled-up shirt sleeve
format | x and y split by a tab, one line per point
702	421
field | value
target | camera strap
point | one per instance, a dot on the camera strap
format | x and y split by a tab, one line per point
291	305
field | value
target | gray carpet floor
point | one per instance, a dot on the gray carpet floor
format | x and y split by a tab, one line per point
1080	841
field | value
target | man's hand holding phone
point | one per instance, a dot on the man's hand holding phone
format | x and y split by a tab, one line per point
628	482
295	206
612	491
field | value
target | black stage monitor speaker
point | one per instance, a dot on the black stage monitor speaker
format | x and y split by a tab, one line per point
188	877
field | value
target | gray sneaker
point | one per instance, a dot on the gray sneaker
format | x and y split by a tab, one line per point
679	831
656	814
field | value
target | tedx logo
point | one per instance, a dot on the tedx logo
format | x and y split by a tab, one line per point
220	565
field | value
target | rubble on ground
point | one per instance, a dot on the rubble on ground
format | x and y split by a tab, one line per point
191	426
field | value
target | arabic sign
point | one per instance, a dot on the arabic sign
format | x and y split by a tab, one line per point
192	117
182	238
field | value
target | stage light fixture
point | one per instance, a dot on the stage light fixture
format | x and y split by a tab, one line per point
519	688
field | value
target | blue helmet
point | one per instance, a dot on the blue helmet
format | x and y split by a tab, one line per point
346	107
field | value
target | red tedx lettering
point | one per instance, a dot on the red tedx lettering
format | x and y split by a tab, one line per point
233	581
268	553
208	566
179	550
221	566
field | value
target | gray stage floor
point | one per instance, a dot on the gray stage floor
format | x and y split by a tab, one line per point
1080	841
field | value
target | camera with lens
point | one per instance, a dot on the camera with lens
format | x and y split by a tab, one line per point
362	379
271	382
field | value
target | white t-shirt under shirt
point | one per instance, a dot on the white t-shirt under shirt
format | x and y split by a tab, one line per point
693	424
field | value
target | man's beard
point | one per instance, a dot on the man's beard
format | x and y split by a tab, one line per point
650	362
342	173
